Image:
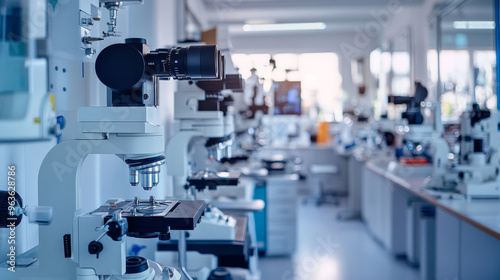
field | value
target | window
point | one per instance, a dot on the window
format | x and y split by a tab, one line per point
322	95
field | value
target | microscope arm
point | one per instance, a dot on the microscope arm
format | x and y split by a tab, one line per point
178	149
440	163
59	186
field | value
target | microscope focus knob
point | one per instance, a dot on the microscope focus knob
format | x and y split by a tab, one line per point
117	229
164	236
8	202
220	273
95	247
192	104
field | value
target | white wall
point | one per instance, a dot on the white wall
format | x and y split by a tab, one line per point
417	18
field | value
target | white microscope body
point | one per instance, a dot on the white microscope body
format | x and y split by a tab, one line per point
91	246
196	124
441	177
63	251
479	163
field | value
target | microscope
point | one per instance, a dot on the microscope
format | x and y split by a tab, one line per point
476	173
205	113
478	167
416	135
92	245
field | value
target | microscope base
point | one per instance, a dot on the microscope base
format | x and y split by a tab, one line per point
155	271
480	190
31	270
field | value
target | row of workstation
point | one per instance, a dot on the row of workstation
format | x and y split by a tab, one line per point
443	234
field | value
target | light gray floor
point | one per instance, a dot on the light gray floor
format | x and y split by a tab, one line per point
328	249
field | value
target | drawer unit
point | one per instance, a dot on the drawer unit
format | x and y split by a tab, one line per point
281	210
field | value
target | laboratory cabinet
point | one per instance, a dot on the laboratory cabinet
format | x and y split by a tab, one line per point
276	226
281	201
445	238
463	251
384	211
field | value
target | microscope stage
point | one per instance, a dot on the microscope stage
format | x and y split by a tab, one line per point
156	216
212	180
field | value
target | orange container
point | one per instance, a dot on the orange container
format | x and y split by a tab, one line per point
323	136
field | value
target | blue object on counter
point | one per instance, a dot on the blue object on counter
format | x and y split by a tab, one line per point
350	146
398	152
261	217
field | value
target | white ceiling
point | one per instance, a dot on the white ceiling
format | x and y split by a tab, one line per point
341	18
284	11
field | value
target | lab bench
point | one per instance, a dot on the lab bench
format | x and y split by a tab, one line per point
448	236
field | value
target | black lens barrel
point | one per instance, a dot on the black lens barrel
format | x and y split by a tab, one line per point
193	62
127	66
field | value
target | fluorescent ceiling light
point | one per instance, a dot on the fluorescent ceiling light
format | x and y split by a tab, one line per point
284	26
474	24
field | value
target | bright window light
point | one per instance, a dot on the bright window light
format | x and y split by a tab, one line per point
284	26
474	24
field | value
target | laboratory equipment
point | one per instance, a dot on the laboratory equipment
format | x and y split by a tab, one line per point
27	107
197	107
413	104
476	173
479	163
422	142
91	245
204	113
209	179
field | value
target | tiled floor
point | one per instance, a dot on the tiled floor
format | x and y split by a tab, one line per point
328	249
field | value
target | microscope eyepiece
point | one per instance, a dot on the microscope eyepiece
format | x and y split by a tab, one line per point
121	67
129	69
127	66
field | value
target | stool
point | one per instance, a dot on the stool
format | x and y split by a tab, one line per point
323	198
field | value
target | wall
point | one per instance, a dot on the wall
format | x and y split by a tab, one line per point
418	19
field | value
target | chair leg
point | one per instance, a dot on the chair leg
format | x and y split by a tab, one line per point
324	198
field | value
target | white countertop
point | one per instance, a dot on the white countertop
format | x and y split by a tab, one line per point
481	213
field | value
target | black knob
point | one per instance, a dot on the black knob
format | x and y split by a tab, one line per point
136	264
220	274
117	229
164	236
95	247
7	216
